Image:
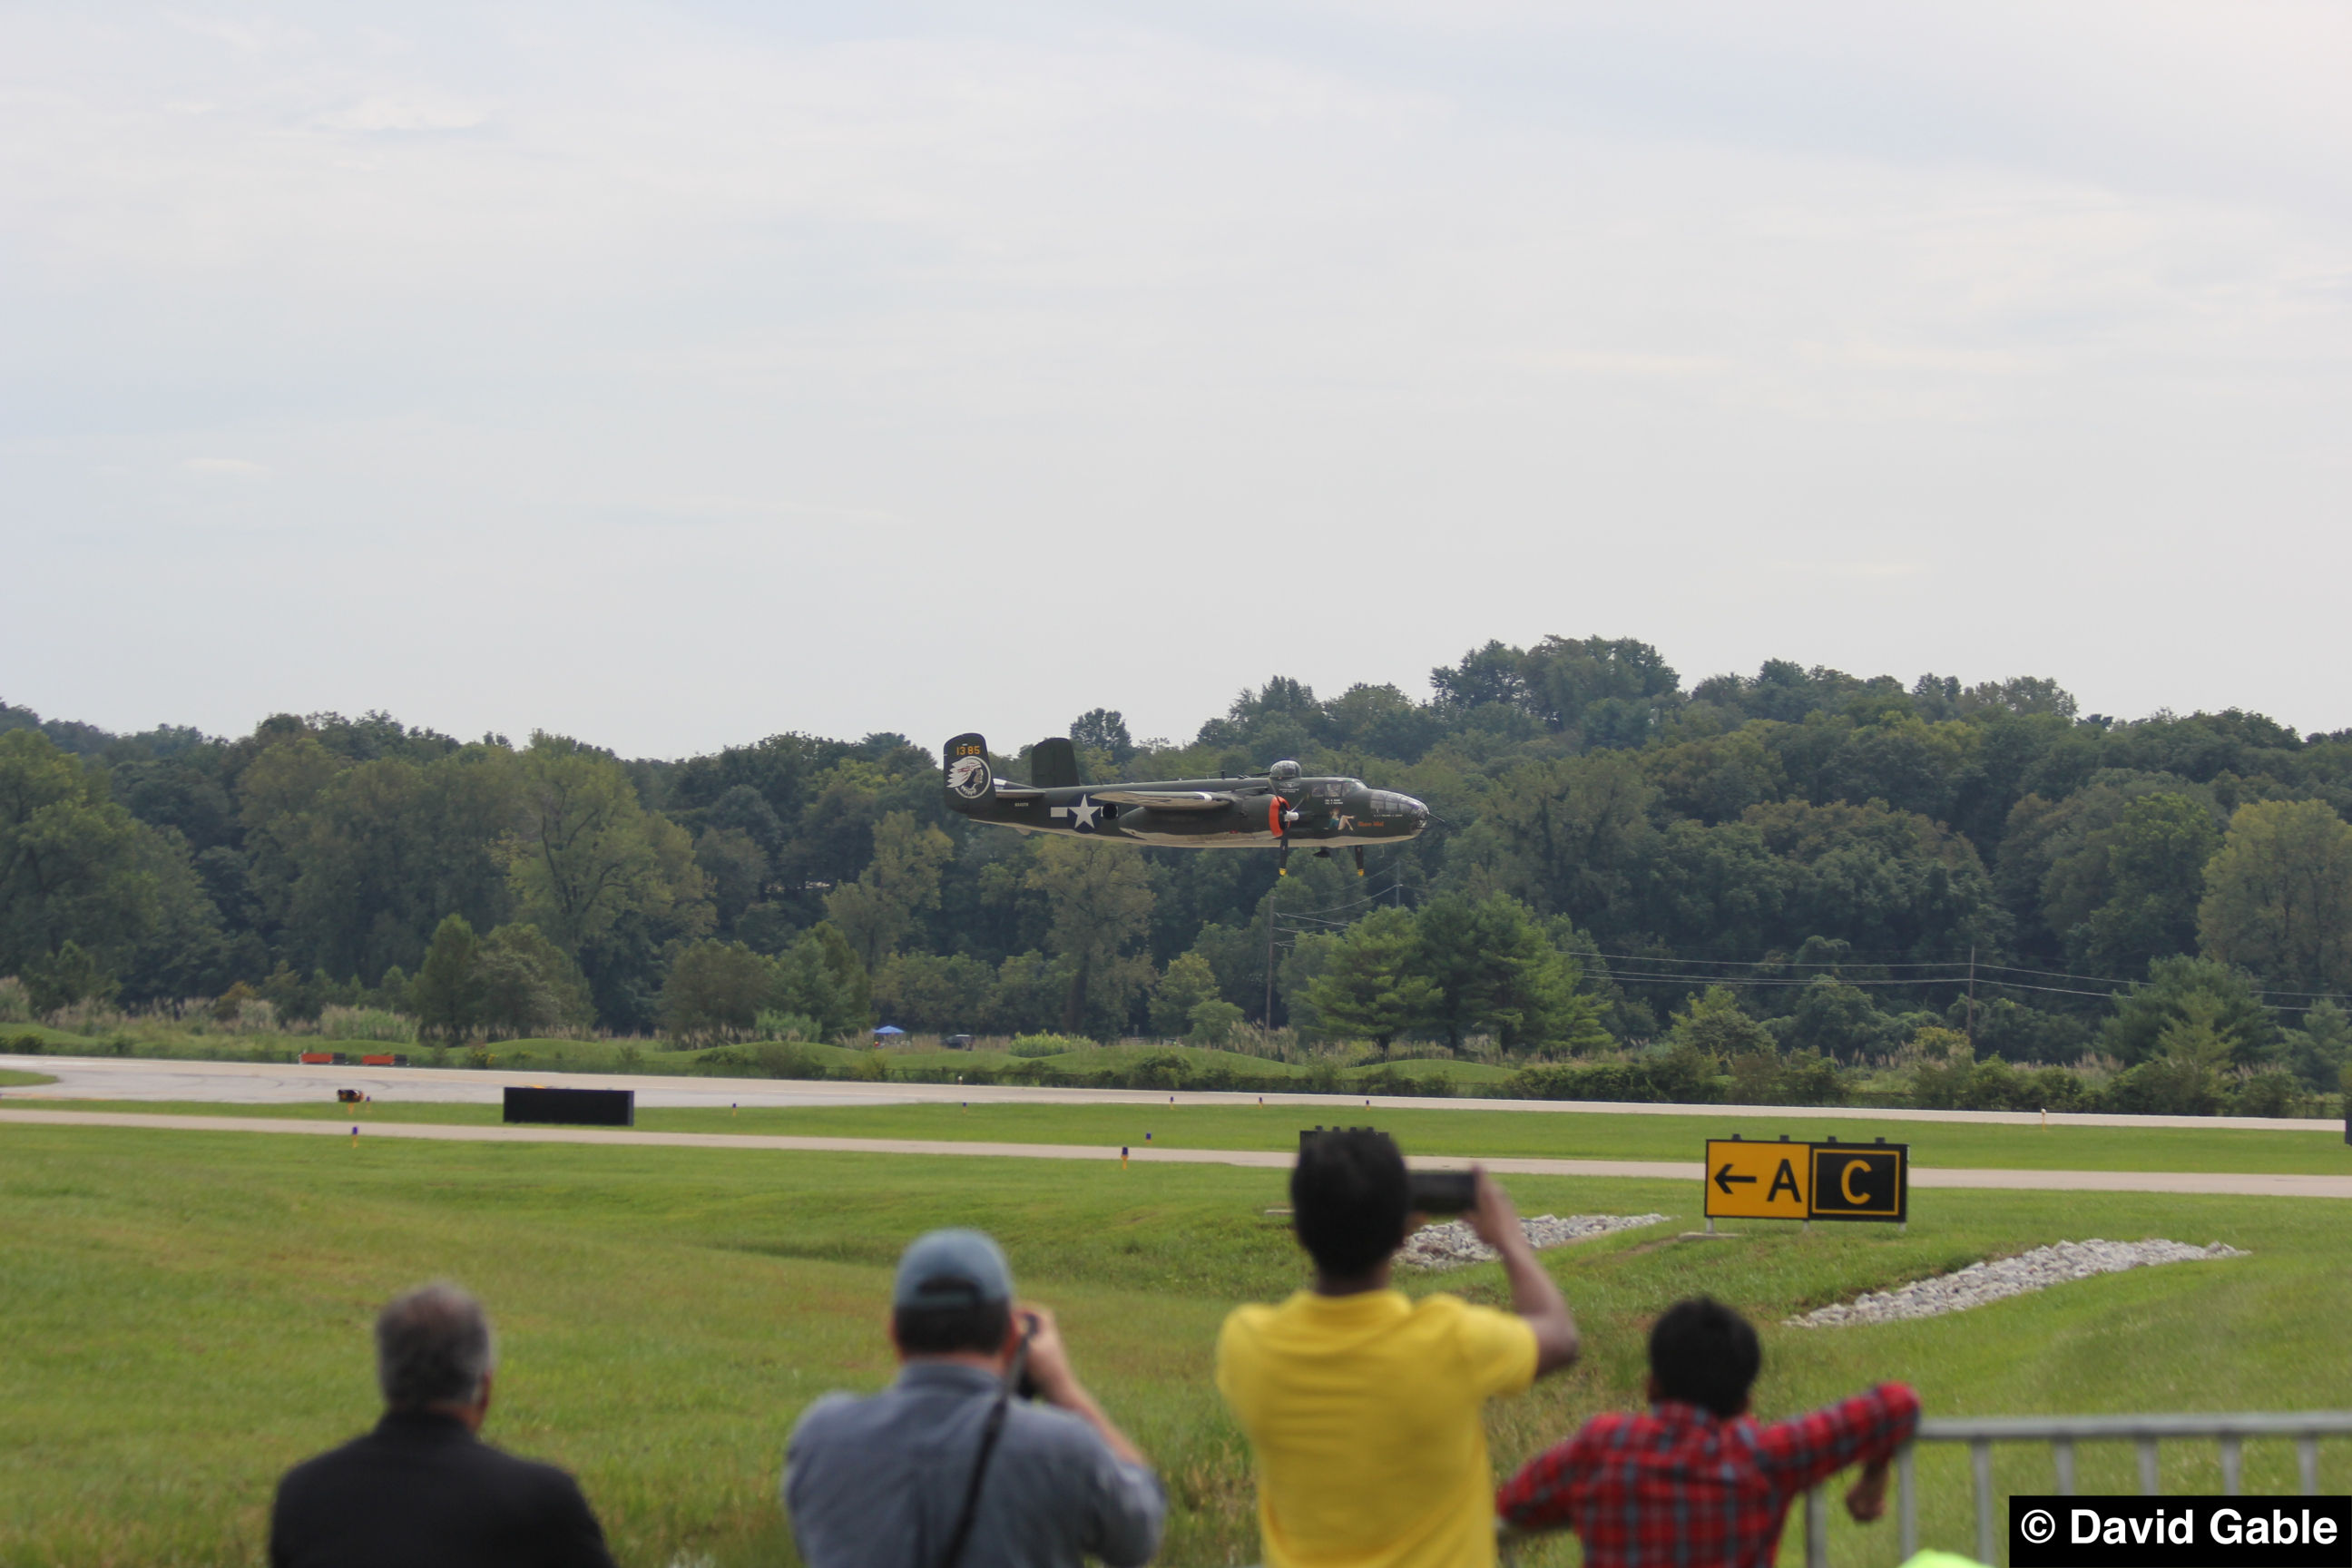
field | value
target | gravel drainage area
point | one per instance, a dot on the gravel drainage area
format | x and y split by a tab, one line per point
1454	1244
2004	1277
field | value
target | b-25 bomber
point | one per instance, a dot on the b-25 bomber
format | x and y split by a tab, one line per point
1281	809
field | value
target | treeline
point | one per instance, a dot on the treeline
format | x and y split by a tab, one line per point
1845	858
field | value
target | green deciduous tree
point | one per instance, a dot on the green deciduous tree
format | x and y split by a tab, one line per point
820	977
2278	895
74	866
69	975
1101	901
2157	854
1837	1020
447	993
714	992
1568	834
586	855
952	993
1188	982
881	909
1713	1025
735	867
527	985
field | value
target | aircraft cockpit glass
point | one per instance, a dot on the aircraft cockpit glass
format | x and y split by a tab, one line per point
1283	772
1387	802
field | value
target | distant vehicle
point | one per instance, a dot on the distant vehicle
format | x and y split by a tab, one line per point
1279	810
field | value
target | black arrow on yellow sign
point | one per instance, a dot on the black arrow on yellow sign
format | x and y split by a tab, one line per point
1724	1178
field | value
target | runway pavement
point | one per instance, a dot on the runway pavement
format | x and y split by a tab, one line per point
263	1083
2185	1181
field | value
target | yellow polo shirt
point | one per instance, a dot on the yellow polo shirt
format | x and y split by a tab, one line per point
1363	1411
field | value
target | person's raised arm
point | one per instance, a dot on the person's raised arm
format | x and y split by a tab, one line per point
1049	1364
1533	1295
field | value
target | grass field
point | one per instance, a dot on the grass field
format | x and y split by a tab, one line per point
189	1315
1187	1123
13	1079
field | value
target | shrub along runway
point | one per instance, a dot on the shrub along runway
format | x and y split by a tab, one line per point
2211	1183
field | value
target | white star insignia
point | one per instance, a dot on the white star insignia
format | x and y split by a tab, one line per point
1082	815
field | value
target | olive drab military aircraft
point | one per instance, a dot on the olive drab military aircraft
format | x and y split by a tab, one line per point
1283	809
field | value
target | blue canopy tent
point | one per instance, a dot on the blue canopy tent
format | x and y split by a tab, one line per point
889	1029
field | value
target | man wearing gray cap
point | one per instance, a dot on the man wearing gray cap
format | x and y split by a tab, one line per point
945	1469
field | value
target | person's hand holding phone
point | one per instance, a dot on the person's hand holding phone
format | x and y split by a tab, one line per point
1049	1368
1049	1362
1494	1216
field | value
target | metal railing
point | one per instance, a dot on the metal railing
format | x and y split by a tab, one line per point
2061	1433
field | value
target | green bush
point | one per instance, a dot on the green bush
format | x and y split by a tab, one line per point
1808	1077
1213	1021
2164	1086
787	1059
366	1024
1048	1044
27	1045
771	1025
2268	1093
1390	1079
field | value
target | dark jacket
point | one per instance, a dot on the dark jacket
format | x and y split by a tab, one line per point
421	1490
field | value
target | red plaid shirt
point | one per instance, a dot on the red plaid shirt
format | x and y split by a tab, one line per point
1682	1486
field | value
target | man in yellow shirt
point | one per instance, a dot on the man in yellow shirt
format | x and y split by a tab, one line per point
1362	1406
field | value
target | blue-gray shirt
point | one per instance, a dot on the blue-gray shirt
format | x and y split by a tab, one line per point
877	1482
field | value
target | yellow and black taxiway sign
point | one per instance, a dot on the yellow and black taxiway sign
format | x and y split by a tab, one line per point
1807	1181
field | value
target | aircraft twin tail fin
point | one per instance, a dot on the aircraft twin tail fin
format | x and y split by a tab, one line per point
970	777
1054	764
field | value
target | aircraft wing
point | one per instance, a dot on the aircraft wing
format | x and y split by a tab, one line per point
1166	799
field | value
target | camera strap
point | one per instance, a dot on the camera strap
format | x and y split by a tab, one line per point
989	1433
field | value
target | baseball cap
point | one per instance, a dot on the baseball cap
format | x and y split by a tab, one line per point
951	1269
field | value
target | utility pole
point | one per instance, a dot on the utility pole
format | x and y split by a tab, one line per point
1270	896
1972	999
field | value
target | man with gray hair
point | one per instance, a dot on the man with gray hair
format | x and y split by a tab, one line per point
422	1487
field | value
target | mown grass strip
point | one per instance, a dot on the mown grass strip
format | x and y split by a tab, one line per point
1565	1135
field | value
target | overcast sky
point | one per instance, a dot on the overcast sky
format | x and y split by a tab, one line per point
674	376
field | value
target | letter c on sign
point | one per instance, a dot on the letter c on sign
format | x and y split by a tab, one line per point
1845	1181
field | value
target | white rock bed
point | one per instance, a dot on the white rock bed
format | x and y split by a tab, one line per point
2001	1277
1454	1244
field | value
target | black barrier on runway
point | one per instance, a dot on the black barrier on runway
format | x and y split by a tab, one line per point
575	1107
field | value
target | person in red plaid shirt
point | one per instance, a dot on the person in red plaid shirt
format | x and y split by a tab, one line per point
1696	1482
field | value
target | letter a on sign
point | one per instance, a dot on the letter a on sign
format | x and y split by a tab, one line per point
1757	1180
